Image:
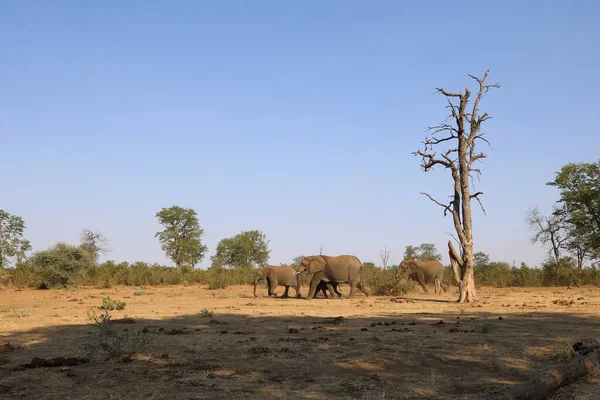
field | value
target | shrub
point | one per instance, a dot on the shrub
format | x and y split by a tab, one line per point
60	265
388	282
107	342
13	312
561	273
110	304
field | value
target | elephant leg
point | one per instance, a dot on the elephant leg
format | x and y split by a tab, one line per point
319	289
314	283
352	289
421	279
337	291
331	289
285	294
273	286
444	286
362	288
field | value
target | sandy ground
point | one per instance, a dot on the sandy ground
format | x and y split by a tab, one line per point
426	347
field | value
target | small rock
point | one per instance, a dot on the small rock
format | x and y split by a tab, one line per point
364	329
293	330
127	358
70	374
164	356
500	318
223	332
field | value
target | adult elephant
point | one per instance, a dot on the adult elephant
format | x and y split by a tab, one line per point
339	269
324	286
277	275
425	272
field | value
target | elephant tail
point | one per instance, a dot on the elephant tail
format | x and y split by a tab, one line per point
362	275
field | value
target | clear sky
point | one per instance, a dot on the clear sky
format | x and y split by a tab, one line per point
295	118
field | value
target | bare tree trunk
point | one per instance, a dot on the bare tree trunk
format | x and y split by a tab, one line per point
542	385
463	275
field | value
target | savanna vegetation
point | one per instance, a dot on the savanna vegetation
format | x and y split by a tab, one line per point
571	234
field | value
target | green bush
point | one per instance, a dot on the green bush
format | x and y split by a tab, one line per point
61	265
388	282
110	304
108	342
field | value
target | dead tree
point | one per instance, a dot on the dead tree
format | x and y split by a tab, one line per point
460	132
385	257
549	231
95	243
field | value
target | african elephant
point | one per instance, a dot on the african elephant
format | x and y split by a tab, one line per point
425	272
339	269
326	285
283	275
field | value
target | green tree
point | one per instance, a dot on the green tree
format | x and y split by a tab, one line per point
579	206
428	252
411	253
60	264
296	261
246	249
12	244
181	238
94	243
424	252
369	265
480	259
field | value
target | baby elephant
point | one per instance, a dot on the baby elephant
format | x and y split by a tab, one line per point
276	275
425	272
327	285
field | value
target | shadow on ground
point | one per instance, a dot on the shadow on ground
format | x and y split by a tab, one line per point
231	356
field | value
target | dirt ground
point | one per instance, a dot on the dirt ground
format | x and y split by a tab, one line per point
423	347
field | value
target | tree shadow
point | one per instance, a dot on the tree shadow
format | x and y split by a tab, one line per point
247	352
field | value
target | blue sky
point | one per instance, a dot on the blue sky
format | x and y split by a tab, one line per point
295	118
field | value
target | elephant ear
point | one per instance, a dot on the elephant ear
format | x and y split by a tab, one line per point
413	265
316	265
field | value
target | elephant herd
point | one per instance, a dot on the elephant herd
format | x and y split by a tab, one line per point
329	272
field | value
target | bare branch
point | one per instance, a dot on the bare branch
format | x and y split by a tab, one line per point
454	237
476	197
448	94
480	136
445	207
384	254
429	160
474	121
